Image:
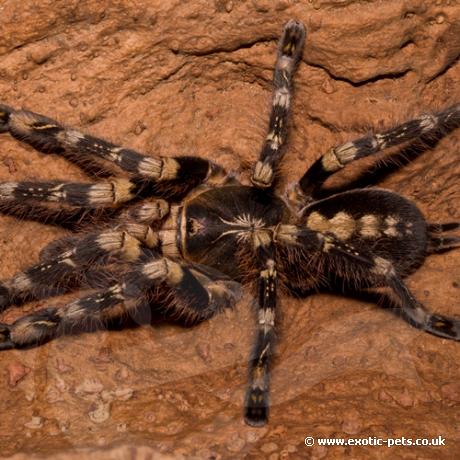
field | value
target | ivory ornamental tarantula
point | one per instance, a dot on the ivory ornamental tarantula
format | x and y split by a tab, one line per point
190	255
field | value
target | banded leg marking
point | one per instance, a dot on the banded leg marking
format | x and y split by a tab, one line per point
60	272
196	292
192	294
74	218
410	308
438	242
289	53
99	194
418	316
257	395
49	136
442	243
338	157
149	211
48	323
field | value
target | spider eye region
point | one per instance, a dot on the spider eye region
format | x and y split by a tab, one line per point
221	225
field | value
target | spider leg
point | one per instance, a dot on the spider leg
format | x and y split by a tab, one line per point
92	195
48	323
73	218
196	292
417	315
86	201
49	136
438	242
379	269
64	262
339	156
83	202
289	53
257	394
191	293
440	228
444	243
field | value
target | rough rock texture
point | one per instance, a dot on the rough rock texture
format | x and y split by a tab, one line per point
194	77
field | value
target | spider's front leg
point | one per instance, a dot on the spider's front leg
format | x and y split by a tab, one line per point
49	136
257	395
89	195
289	53
338	157
191	292
80	201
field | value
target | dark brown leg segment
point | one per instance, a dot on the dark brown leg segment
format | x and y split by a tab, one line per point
257	395
341	155
289	53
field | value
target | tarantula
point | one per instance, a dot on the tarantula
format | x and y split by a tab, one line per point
189	252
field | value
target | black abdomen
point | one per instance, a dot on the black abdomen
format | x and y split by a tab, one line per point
375	221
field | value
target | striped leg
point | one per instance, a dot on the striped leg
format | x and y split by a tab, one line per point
190	293
418	316
338	157
289	53
82	202
100	194
39	327
75	217
438	242
380	269
48	136
65	261
71	218
196	292
257	395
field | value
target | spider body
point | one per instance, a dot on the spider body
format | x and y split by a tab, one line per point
376	221
219	227
182	234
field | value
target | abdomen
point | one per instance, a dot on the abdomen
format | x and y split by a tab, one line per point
376	221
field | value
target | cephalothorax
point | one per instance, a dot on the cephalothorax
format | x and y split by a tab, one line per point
189	250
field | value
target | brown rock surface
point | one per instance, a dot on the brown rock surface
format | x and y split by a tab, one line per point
194	77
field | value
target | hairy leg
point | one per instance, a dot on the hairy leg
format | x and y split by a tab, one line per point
99	194
339	156
438	241
49	136
257	394
65	262
376	270
289	53
191	293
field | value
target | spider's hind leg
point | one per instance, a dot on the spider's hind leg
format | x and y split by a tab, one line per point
376	270
417	315
438	241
